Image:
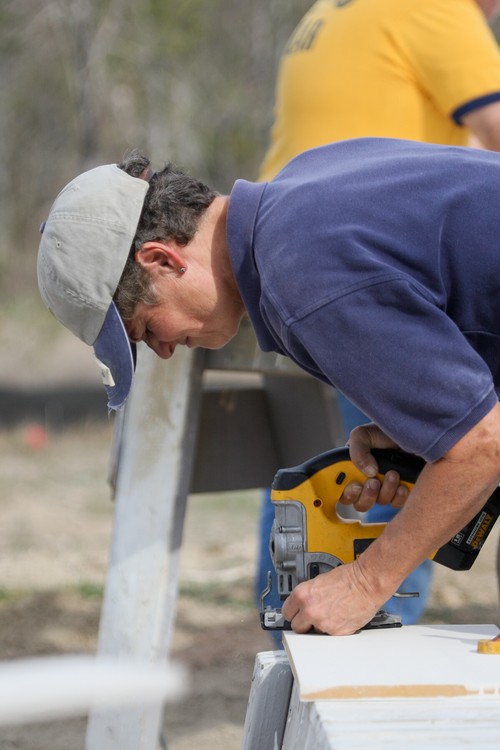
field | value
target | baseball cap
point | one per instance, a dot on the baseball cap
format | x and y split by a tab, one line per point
85	243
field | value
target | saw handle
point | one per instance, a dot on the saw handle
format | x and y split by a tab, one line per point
458	554
408	466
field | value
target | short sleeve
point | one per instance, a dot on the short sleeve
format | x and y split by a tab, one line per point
403	362
453	53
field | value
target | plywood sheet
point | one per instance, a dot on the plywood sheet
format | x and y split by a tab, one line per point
416	661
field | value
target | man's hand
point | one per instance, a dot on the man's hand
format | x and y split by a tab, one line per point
361	440
446	495
340	602
336	603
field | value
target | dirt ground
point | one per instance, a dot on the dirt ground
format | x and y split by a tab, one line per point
56	520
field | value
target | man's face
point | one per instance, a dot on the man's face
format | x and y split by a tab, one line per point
185	316
199	301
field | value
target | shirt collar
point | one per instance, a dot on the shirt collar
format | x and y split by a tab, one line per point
244	205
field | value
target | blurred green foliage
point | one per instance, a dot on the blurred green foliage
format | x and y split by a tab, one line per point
82	81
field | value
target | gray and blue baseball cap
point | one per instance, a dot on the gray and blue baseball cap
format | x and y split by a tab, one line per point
85	244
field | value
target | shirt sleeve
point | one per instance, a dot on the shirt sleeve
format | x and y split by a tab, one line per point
453	54
402	361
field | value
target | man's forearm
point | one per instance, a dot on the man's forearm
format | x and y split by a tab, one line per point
484	124
446	496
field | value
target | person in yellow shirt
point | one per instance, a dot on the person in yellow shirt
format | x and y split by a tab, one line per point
423	70
426	70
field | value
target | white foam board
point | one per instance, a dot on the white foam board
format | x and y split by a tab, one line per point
416	661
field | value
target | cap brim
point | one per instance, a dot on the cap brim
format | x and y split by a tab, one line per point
115	351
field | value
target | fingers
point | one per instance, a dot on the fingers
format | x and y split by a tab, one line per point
293	612
362	497
297	611
391	492
330	603
400	497
388	492
361	441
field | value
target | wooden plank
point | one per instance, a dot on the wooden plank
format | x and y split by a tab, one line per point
416	661
268	702
235	447
248	431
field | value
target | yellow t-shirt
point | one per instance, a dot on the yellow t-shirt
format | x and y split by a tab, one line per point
394	68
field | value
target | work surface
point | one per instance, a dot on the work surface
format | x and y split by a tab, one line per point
417	661
419	687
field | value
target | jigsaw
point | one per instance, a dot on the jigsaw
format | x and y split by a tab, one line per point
309	537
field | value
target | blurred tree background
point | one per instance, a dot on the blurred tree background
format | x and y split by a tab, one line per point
82	81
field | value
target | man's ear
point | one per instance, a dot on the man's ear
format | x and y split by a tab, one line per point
160	254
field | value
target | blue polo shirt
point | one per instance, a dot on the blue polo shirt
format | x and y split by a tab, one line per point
375	265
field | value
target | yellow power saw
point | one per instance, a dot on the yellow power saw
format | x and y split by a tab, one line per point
309	537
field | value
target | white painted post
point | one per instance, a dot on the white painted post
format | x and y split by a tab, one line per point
268	702
152	485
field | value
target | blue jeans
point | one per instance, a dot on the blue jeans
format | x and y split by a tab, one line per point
265	563
410	610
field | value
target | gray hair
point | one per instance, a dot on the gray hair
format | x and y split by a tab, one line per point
173	207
